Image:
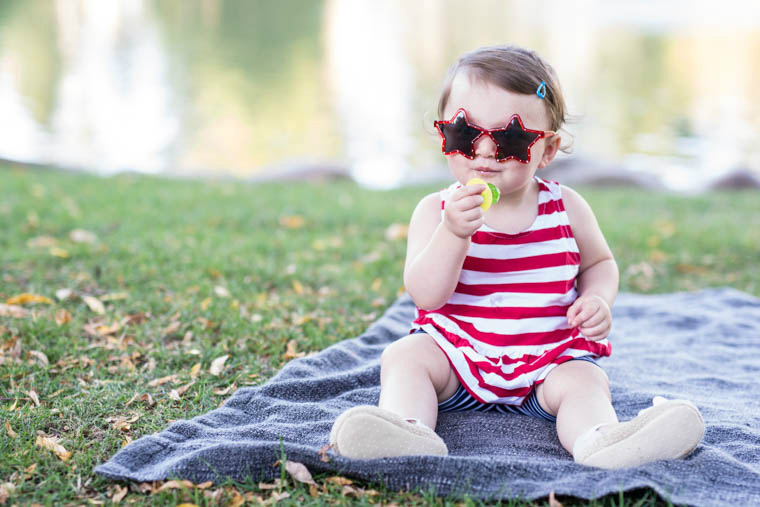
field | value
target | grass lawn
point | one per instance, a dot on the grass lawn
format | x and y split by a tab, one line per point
145	283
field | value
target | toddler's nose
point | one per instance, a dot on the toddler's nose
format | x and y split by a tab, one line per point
485	147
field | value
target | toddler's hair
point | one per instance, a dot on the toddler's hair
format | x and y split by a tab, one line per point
514	69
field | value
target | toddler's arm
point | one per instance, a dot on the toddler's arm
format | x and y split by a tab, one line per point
598	276
436	248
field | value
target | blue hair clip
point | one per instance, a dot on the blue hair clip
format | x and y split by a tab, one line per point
541	90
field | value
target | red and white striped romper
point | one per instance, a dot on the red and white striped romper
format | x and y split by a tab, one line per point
505	326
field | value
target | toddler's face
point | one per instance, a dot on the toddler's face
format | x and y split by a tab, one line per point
491	107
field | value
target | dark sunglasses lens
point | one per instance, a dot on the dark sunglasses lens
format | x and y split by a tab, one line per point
458	136
514	142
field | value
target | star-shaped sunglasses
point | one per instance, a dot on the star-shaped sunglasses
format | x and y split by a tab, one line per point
512	141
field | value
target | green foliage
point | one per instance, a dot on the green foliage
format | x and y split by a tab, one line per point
190	271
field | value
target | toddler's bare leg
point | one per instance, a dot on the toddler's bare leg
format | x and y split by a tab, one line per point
578	394
415	375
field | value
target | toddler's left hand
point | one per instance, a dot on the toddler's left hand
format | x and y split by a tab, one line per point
593	315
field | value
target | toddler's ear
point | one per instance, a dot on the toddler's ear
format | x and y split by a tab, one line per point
551	147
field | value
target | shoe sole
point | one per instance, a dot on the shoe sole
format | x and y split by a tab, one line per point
368	432
669	430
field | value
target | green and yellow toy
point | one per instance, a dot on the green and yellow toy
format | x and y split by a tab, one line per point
490	194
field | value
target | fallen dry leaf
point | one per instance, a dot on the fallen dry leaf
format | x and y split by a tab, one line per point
27	298
29	471
292	221
350	490
51	444
195	370
59	252
298	287
396	232
205	322
9	430
175	394
135	318
120	423
115	296
291	352
338	480
658	256
323	453
692	269
119	493
141	397
665	227
217	365
299	472
163	380
82	236
277	484
276	497
42	242
107	330
145	487
172	328
182	390
222	292
174	484
62	316
14	311
222	391
214	496
12	347
6	489
94	304
40	357
63	294
237	499
33	395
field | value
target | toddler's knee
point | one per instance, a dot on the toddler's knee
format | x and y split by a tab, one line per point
396	353
409	351
573	378
601	381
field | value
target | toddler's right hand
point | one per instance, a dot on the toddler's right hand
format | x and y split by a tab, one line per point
463	214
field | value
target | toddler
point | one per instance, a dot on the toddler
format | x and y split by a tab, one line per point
513	302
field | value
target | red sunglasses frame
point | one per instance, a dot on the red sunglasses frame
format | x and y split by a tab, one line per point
540	134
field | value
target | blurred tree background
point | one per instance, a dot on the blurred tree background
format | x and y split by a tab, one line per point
253	88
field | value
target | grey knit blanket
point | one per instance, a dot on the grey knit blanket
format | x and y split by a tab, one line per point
702	346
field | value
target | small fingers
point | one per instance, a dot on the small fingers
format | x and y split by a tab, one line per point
573	311
475	189
470	202
472	214
598	332
595	319
585	312
475	224
466	191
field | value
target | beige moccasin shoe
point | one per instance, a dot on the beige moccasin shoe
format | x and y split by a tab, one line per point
367	432
670	429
